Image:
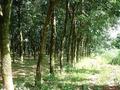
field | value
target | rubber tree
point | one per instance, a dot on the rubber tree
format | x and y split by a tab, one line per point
63	36
52	41
5	49
43	36
19	28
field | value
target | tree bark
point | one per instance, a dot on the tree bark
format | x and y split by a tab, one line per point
69	39
63	37
52	42
21	46
42	49
20	31
5	49
73	36
78	48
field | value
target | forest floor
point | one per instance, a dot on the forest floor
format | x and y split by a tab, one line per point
88	73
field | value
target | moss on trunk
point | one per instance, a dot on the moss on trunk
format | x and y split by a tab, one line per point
5	49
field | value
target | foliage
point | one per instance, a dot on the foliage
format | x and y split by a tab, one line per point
116	42
81	28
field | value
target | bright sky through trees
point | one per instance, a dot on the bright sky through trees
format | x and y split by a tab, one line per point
115	30
59	44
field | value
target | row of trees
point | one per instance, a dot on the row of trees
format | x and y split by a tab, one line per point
65	30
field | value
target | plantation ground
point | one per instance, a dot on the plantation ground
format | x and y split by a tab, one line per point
93	72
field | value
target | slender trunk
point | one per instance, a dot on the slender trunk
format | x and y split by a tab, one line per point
19	28
78	48
38	77
81	46
81	25
89	46
68	48
5	49
63	37
69	43
77	52
86	46
21	46
73	36
0	49
75	42
0	41
52	42
34	53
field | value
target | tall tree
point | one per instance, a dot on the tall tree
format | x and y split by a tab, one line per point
19	3
43	41
52	41
5	50
64	35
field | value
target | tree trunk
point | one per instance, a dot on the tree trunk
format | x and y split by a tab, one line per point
52	42
73	36
34	53
68	48
19	28
78	48
21	46
69	40
38	77
0	42
0	33
5	49
74	42
63	37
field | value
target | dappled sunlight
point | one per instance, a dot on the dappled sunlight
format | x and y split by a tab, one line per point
104	73
90	63
88	72
60	45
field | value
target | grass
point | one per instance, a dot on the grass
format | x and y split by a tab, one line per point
93	73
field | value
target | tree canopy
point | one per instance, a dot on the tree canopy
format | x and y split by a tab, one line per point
55	34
